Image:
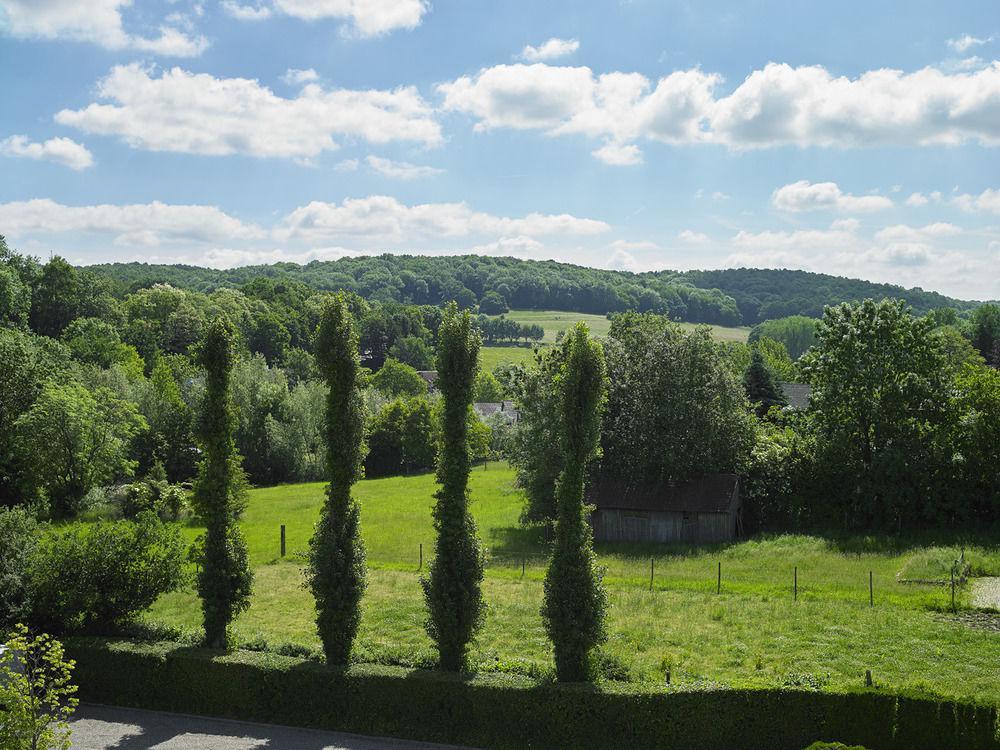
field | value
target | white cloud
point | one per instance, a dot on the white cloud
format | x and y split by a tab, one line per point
966	42
692	238
517	247
619	155
622	260
987	201
296	77
246	12
367	18
200	114
63	151
552	49
906	233
917	199
630	245
848	225
827	196
774	106
96	21
401	170
137	224
348	165
385	219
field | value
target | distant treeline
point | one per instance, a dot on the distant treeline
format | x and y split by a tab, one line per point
730	297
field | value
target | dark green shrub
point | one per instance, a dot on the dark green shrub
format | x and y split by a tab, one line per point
336	551
225	580
575	599
100	576
19	534
505	711
452	590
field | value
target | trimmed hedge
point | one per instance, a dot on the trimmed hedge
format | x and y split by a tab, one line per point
503	711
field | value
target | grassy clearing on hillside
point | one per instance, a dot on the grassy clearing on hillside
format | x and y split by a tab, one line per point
491	356
753	633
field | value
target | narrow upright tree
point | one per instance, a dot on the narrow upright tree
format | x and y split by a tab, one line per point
336	551
225	580
452	589
761	386
575	600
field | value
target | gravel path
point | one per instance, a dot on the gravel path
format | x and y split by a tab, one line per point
986	592
111	728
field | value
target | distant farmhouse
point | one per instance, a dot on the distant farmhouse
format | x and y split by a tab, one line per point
430	377
701	511
797	395
488	408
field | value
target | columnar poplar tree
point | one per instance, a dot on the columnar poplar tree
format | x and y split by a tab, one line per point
452	589
336	551
225	580
575	600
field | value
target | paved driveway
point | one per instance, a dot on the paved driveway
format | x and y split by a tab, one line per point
112	728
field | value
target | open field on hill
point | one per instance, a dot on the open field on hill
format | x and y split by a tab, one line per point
554	321
752	633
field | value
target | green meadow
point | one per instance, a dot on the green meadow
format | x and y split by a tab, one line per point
751	631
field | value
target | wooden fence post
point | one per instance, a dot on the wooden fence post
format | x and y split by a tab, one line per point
795	584
718	584
871	589
282	540
651	574
421	565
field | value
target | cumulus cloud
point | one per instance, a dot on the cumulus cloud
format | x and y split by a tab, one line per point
778	105
966	42
95	21
136	224
383	218
401	170
619	155
296	77
916	200
365	18
987	201
806	196
552	49
63	151
692	238
197	113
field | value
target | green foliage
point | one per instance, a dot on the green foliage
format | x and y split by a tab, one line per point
761	385
155	495
796	332
985	332
486	388
19	532
225	580
336	552
975	439
94	341
77	440
493	303
35	692
675	410
575	599
395	378
413	351
453	587
15	298
508	712
880	405
402	438
101	576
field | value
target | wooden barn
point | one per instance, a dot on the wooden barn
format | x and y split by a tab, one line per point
700	511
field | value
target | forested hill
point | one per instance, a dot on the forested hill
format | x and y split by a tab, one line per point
728	297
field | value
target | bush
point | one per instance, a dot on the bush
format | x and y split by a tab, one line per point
166	501
19	532
97	577
506	711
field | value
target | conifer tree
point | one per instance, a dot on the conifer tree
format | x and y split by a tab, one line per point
575	600
761	386
452	590
225	580
336	551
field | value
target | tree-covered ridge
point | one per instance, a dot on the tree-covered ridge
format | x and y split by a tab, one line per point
728	297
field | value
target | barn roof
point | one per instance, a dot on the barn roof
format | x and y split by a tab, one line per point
715	493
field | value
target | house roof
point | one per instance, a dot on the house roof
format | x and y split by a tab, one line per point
488	408
797	394
428	375
715	493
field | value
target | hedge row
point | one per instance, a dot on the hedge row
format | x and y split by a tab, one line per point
501	711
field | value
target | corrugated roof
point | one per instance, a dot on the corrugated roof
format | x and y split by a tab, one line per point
715	493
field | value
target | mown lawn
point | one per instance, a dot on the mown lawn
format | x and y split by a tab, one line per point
753	633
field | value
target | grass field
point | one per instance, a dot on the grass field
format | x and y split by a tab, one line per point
554	321
752	633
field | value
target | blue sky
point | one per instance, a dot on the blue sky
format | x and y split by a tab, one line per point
861	139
